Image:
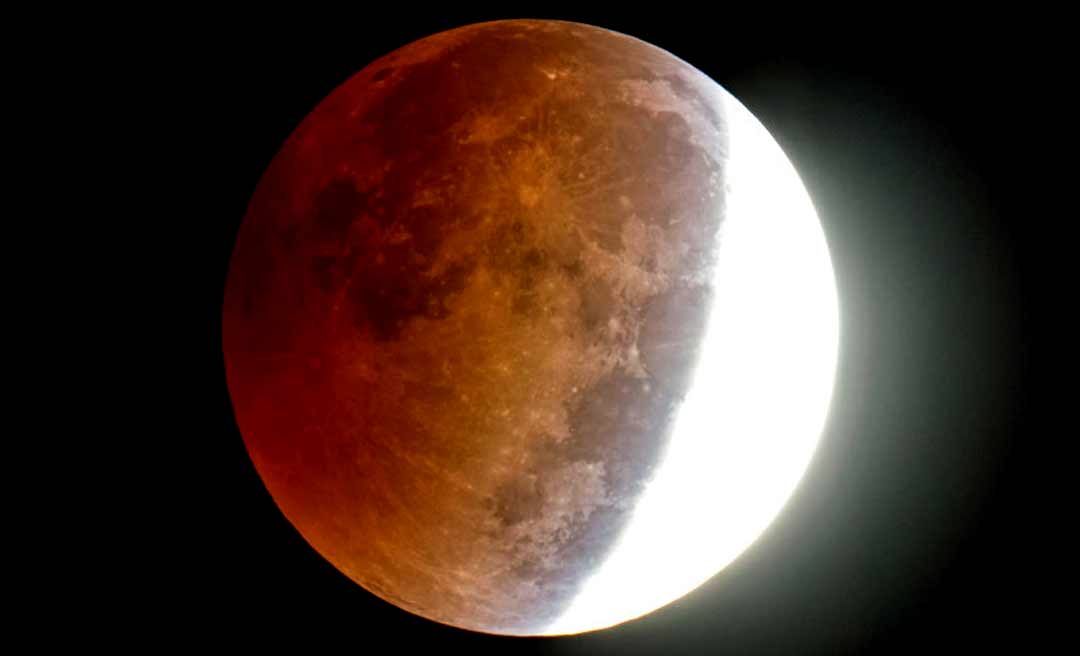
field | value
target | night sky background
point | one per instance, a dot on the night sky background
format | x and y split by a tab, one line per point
914	528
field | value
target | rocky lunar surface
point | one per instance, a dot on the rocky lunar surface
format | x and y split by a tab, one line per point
464	305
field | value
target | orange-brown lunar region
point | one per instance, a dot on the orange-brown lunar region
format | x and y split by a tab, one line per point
464	305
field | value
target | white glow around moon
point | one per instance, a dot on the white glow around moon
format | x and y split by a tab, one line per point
746	431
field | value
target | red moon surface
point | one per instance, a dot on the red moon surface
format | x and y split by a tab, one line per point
464	305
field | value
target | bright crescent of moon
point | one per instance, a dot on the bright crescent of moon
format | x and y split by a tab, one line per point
532	347
753	416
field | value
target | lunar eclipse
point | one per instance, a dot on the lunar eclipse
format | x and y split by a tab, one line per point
530	328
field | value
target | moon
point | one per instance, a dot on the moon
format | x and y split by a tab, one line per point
530	328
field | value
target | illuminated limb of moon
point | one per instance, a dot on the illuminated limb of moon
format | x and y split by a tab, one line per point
529	328
748	427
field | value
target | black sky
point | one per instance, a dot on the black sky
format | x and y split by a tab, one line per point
914	528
